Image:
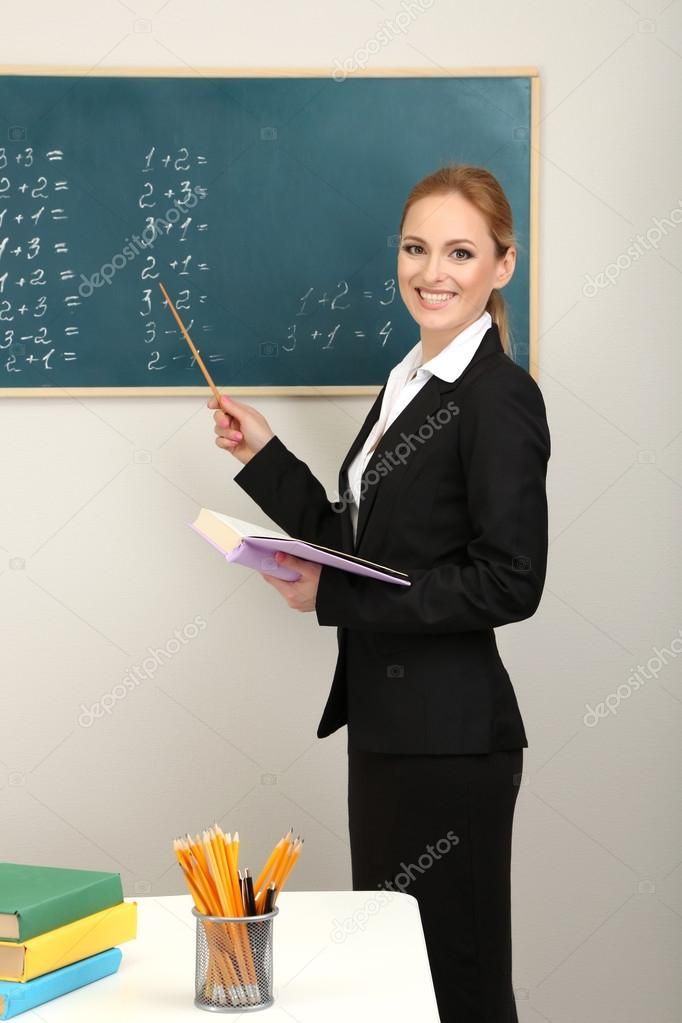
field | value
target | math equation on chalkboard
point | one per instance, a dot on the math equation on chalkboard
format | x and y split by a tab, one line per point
267	206
39	287
33	206
44	291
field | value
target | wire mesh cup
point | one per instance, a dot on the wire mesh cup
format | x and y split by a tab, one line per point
233	971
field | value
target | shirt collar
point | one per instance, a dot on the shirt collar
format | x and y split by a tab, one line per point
451	360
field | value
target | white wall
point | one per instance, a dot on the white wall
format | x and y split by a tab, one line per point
226	727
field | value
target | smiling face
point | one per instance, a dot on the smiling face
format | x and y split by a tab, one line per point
447	267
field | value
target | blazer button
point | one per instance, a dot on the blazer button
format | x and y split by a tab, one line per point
395	670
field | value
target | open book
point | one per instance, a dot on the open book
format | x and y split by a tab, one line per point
255	547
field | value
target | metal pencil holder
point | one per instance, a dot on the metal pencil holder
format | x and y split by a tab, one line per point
233	971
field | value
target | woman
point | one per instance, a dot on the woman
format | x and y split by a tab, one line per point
445	481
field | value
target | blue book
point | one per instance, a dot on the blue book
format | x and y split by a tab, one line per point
17	996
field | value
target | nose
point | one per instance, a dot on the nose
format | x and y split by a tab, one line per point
431	272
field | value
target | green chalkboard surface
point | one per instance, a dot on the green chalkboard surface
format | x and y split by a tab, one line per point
268	206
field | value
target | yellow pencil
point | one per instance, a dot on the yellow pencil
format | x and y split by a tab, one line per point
265	872
296	852
277	859
220	968
228	847
240	936
228	908
283	881
226	842
224	896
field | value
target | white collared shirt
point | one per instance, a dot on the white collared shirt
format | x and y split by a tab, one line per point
404	383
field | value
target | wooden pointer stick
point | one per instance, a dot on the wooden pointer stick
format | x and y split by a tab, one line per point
195	353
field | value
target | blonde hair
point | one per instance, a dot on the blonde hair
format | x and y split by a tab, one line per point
482	189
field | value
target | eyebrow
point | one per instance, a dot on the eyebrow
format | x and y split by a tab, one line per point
453	241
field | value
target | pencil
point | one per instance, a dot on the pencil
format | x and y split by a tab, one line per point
262	877
296	852
278	864
220	970
233	902
274	860
227	856
224	906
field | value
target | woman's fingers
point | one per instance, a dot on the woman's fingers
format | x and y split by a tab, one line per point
239	428
223	421
226	404
228	432
212	403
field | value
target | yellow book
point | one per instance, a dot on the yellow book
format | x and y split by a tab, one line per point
68	944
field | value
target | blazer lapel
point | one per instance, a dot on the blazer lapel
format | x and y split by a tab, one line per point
344	491
426	401
369	422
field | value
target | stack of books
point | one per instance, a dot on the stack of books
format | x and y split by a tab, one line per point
58	932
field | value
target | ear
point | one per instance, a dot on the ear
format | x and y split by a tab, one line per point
505	267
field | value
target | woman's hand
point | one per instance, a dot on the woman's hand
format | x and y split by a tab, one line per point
240	429
301	594
243	431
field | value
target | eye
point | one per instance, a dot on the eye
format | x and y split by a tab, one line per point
414	245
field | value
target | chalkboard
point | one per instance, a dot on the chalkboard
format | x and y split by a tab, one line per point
267	203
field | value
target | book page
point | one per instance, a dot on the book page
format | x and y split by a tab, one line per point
247	528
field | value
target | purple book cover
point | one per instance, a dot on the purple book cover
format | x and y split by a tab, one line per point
258	552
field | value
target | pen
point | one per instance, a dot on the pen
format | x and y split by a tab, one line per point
269	898
249	898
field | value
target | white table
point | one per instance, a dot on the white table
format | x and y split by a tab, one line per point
337	956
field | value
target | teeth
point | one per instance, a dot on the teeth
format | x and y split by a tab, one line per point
435	298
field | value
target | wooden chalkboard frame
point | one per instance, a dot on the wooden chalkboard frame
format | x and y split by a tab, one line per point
290	72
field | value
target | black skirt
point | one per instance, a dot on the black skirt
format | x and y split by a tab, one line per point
439	827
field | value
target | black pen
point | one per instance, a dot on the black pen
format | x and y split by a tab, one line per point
249	897
269	897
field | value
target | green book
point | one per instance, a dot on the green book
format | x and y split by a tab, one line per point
34	900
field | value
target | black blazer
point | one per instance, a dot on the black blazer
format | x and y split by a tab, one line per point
457	500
